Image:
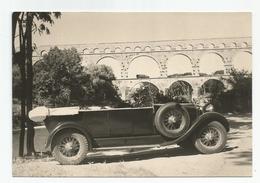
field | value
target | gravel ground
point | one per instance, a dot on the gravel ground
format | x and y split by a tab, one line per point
235	160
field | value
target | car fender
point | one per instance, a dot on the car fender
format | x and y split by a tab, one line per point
200	121
67	125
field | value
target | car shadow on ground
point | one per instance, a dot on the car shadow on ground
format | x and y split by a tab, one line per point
144	155
241	158
239	125
240	121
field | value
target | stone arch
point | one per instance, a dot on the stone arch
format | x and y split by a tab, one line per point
179	47
96	50
85	51
107	50
211	86
43	52
152	88
222	45
157	48
117	50
137	49
211	46
147	49
113	63
200	46
233	45
244	45
190	47
211	63
144	83
180	88
179	64
36	62
167	48
144	65
242	61
128	49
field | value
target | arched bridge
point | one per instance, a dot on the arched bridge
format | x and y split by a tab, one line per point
193	57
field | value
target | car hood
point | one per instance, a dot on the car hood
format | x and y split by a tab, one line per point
39	114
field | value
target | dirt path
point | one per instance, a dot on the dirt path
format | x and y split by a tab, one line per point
236	160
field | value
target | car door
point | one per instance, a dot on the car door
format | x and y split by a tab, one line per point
131	122
96	122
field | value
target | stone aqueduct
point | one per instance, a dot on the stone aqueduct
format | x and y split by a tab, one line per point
160	52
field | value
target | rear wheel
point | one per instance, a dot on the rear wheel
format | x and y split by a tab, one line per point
70	148
172	120
210	138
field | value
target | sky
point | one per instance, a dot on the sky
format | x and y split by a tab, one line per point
80	28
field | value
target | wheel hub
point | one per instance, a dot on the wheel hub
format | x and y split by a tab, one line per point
209	136
68	146
172	119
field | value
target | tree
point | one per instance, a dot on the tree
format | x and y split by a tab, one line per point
236	98
212	90
23	24
60	79
146	95
179	91
103	91
241	91
17	84
19	58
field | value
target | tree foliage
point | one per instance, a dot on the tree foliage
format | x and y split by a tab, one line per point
237	98
147	95
240	95
59	78
143	95
102	91
180	91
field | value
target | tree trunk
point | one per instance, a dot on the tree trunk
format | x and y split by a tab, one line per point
15	18
23	109
20	58
30	125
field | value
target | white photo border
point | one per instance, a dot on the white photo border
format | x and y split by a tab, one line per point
7	7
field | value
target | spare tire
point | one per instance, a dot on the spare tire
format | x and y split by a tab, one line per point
172	120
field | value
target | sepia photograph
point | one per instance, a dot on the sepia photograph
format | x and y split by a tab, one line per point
131	94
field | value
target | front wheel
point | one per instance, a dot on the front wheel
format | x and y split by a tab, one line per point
70	148
211	138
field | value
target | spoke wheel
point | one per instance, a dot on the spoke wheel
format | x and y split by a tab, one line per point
172	120
211	138
70	148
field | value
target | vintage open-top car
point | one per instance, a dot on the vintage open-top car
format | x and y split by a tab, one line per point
73	132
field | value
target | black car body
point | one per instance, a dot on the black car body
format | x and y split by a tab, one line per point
163	124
